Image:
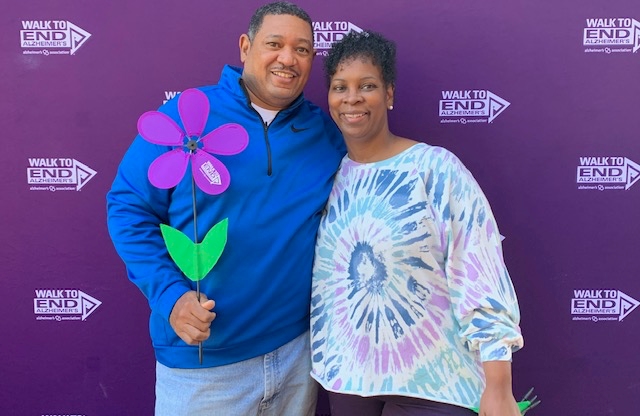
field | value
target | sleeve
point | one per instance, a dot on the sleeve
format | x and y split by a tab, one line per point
483	297
135	210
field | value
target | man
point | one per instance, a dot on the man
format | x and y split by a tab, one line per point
253	314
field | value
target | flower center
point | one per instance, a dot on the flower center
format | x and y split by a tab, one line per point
192	145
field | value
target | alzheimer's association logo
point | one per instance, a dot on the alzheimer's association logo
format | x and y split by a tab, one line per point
51	37
327	33
612	35
470	106
58	174
63	305
601	305
607	173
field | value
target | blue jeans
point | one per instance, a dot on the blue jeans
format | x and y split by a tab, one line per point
274	384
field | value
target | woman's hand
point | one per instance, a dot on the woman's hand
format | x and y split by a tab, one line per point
498	403
497	398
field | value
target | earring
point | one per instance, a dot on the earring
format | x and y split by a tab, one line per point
390	107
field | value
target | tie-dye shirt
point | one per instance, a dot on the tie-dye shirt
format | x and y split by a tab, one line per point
410	290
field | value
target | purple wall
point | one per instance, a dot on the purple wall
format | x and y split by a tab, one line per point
559	84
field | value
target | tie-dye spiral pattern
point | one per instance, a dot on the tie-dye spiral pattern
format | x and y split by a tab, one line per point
410	290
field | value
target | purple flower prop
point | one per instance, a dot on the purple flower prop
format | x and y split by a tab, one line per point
195	259
209	173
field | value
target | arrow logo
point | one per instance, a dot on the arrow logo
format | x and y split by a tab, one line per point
496	105
633	173
83	174
627	305
77	36
88	304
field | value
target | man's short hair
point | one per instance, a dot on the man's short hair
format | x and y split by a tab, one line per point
276	8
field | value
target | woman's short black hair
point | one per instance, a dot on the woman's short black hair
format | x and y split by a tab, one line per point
363	45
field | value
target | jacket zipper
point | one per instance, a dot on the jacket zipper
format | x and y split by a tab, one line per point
265	127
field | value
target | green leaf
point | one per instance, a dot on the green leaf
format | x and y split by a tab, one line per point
181	249
523	405
213	245
527	403
195	260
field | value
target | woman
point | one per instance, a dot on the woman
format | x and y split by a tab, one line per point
413	311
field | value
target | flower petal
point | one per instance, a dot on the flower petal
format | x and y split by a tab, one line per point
227	139
193	106
168	169
159	128
209	173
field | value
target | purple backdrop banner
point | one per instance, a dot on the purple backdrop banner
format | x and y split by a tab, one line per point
540	101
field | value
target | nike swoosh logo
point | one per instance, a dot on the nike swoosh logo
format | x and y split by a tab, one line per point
297	130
